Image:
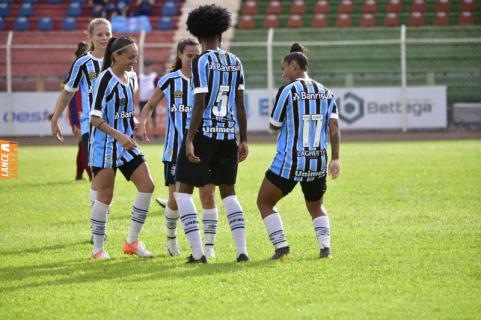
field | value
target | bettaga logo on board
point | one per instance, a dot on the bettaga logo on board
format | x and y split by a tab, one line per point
351	107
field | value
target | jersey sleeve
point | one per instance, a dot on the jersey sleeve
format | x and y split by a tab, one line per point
100	94
332	111
199	74
279	111
241	82
163	82
73	78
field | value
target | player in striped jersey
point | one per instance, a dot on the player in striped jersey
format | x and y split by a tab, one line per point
304	112
112	145
82	75
209	153
176	89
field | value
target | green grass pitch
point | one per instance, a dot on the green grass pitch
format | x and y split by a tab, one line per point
406	242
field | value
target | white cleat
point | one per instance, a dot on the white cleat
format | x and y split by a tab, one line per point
173	248
209	251
161	202
100	255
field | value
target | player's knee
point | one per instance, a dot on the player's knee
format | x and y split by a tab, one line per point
226	191
105	196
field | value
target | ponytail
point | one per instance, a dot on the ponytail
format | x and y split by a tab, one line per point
297	53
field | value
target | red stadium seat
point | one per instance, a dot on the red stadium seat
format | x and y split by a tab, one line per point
271	21
394	6
391	19
298	7
443	5
247	22
343	20
321	7
369	6
468	5
466	18
295	21
418	6
319	20
346	6
416	19
274	7
250	7
441	19
367	20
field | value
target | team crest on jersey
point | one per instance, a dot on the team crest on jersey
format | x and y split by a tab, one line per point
122	102
92	75
178	94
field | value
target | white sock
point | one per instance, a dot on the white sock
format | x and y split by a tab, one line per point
274	229
171	218
140	210
235	216
93	197
323	231
210	218
188	216
99	223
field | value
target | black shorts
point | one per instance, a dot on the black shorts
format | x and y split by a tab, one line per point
85	143
218	162
127	169
169	173
312	190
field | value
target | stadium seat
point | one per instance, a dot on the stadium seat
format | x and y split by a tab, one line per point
45	24
250	7
394	6
295	21
169	9
369	6
298	7
321	6
271	21
77	1
26	10
441	19
468	5
346	6
2	24
165	23
443	5
274	7
247	22
4	10
416	19
8	1
21	24
466	18
343	20
418	6
69	24
74	10
367	20
54	1
30	1
319	20
391	19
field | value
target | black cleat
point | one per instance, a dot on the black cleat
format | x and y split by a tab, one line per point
191	260
281	253
325	253
243	258
161	202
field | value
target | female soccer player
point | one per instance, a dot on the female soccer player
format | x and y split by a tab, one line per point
112	145
82	75
209	153
179	99
304	110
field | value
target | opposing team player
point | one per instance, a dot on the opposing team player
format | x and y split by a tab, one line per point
112	145
175	88
209	153
304	112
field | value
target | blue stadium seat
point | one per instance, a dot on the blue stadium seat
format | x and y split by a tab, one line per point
21	24
69	24
4	10
26	10
7	1
2	24
30	1
169	9
77	1
165	23
54	1
45	24
74	9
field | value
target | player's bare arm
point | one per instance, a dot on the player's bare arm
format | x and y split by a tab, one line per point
335	138
62	103
149	107
243	149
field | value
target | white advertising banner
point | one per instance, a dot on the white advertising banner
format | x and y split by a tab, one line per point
368	108
30	114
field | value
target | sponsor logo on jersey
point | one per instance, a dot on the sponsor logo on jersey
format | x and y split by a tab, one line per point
123	115
180	108
310	174
218	130
220	67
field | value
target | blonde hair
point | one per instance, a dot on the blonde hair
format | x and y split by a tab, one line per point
91	27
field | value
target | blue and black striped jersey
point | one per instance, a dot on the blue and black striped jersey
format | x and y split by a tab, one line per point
219	74
179	100
302	111
113	101
83	73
